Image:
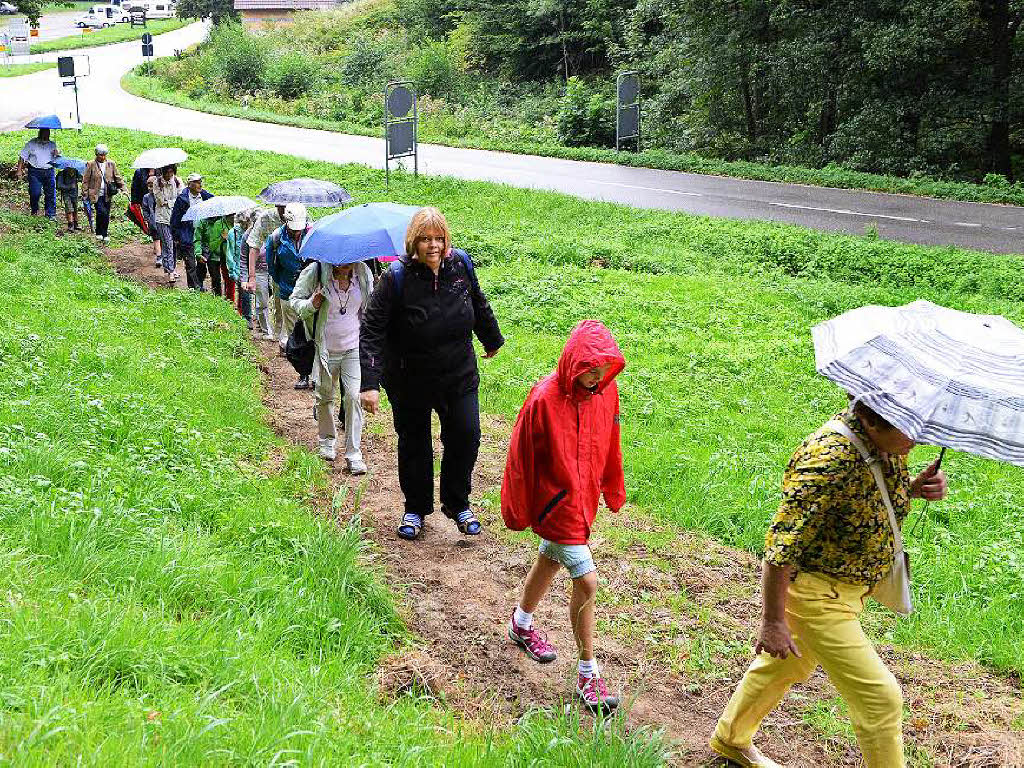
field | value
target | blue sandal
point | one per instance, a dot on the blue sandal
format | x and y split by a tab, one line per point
411	526
467	523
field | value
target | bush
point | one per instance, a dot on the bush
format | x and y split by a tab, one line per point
292	75
436	71
239	58
586	118
372	60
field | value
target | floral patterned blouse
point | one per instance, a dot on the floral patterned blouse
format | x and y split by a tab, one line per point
832	519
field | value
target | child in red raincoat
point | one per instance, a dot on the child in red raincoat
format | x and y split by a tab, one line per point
564	455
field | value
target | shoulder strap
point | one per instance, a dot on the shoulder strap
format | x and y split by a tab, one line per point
319	280
876	471
467	261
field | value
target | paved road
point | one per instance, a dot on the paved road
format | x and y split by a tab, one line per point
52	25
993	228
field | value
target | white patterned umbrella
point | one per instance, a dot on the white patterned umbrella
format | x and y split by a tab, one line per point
942	377
160	157
217	206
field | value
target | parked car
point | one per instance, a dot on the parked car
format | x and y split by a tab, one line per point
6	9
103	16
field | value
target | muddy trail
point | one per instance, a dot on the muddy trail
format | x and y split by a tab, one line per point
676	616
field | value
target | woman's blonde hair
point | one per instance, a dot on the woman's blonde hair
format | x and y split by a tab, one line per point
423	220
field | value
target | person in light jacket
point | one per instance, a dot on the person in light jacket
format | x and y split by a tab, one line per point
333	299
100	183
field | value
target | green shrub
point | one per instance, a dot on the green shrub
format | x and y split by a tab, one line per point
292	75
372	60
436	70
240	58
586	118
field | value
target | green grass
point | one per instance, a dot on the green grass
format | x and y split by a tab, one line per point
16	70
78	5
169	599
119	33
453	133
714	317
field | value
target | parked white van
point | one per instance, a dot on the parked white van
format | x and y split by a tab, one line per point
155	9
103	16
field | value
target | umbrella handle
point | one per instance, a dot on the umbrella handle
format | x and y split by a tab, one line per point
921	515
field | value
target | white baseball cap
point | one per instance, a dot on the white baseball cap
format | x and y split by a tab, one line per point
194	177
295	216
101	149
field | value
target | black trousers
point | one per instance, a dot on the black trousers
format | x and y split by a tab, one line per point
460	439
195	270
213	267
102	215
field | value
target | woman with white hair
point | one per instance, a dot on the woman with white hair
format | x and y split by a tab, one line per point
100	183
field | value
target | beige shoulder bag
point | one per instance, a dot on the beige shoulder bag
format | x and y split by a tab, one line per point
893	591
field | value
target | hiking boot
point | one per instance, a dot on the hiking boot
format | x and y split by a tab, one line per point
594	694
534	643
327	450
748	757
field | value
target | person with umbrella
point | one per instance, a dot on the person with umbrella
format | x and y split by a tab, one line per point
417	341
166	188
36	162
69	176
184	232
264	223
100	183
330	300
284	265
835	539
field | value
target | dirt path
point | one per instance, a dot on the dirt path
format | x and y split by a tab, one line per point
676	616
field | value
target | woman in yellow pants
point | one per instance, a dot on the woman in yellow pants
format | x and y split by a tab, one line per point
829	543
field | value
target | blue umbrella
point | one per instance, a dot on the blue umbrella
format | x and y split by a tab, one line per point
45	121
368	231
69	162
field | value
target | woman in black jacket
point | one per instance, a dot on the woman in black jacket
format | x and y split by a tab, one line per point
417	340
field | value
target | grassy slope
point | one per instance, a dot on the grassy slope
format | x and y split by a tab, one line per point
721	382
169	598
116	34
15	70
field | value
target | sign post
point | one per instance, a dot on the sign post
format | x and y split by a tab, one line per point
138	17
400	126
69	69
147	46
627	109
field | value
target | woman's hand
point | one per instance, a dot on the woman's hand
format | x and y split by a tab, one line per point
369	399
930	485
492	353
317	298
776	640
249	287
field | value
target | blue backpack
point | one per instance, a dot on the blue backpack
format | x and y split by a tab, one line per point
398	270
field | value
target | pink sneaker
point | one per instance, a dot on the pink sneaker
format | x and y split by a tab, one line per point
530	640
594	694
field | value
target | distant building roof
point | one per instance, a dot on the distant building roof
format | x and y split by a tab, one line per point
284	5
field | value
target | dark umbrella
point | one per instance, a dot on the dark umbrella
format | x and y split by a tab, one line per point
324	194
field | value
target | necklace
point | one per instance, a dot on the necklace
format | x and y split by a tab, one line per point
348	289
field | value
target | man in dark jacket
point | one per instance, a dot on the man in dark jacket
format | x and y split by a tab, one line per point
417	340
195	271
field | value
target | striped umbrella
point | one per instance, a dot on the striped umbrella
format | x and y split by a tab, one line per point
325	194
942	377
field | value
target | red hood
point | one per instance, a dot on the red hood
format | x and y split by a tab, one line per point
590	345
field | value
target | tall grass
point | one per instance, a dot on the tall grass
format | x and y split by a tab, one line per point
168	597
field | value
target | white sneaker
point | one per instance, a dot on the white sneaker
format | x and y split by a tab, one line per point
99	238
327	450
106	239
356	466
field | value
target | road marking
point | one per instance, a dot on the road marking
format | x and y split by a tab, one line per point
965	224
647	189
846	212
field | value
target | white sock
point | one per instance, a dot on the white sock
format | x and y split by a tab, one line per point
522	619
589	668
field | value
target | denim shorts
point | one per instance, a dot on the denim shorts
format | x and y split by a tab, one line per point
577	558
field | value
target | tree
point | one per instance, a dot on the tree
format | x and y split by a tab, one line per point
218	10
30	8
